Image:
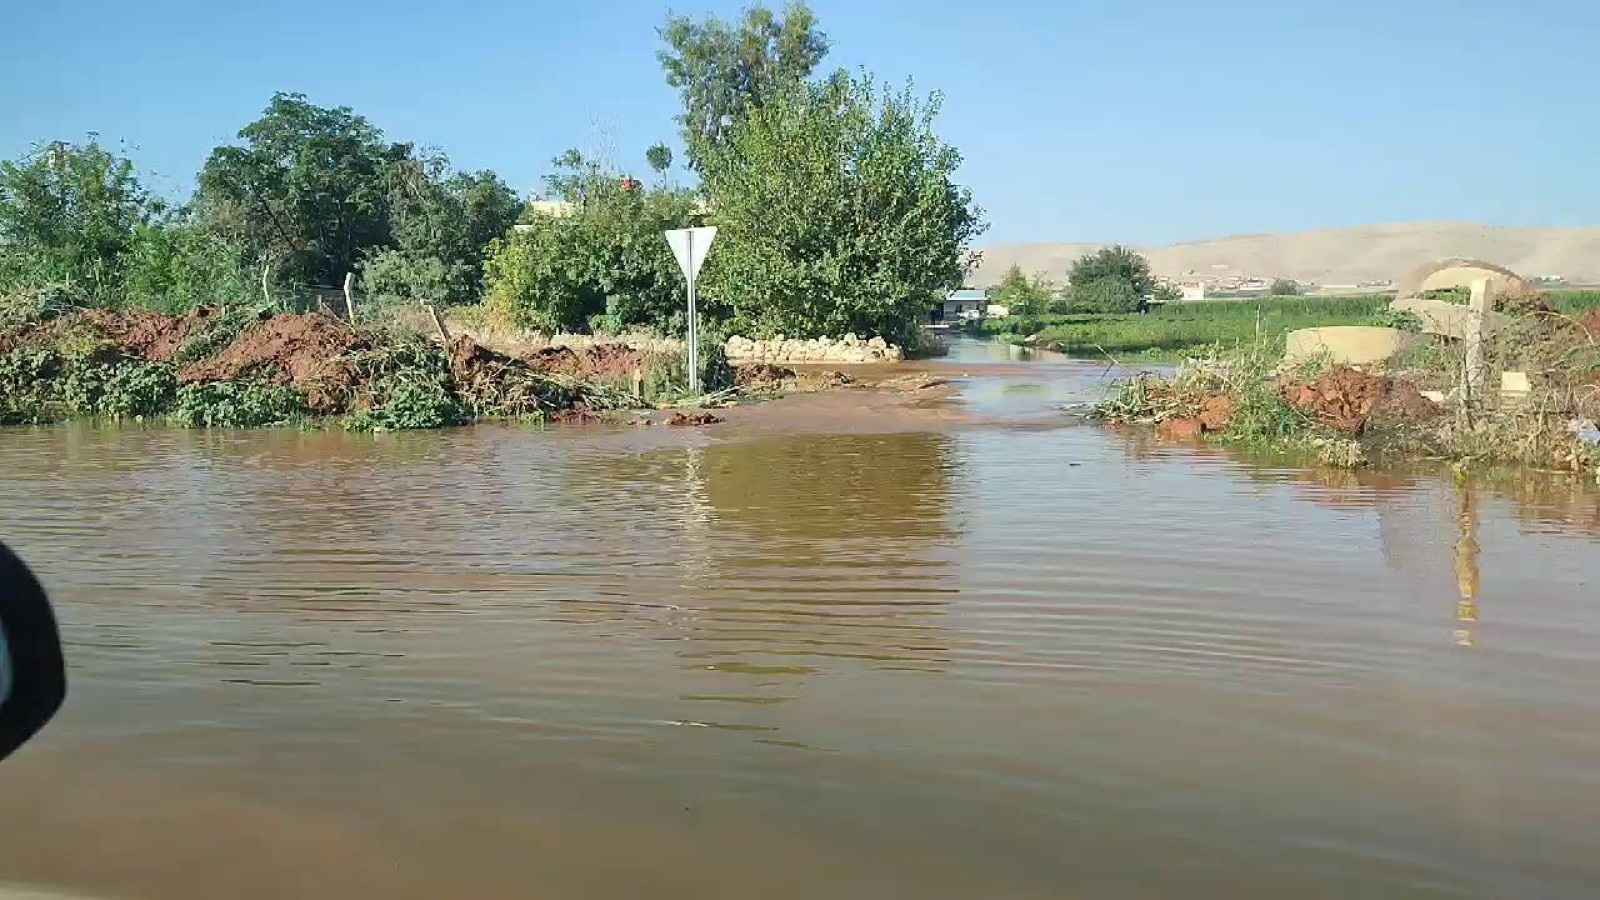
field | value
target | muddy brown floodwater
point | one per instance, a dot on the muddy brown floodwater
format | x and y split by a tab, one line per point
733	661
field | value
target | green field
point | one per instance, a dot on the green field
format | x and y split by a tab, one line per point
1177	330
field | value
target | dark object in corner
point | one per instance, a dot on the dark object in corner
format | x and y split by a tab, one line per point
33	679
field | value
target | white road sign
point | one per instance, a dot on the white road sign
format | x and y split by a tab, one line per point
690	246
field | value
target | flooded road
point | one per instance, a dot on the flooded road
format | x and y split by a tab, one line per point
979	662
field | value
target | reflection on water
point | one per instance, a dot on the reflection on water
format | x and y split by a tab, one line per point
998	662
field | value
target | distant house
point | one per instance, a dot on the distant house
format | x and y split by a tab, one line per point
967	303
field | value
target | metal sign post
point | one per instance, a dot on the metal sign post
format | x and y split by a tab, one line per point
690	246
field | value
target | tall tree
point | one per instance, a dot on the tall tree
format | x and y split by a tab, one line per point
309	188
442	223
839	213
1022	295
659	156
720	68
68	214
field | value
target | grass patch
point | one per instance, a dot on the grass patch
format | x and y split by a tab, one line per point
1178	330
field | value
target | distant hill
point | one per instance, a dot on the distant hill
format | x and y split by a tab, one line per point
1335	256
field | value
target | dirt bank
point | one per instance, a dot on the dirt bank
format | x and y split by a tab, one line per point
607	361
1347	399
146	335
306	351
151	335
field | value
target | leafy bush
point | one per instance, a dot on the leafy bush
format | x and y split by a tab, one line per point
175	267
136	389
1104	295
68	213
1286	287
391	274
81	375
236	404
33	304
607	257
1403	319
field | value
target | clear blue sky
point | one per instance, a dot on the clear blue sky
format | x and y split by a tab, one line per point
1140	122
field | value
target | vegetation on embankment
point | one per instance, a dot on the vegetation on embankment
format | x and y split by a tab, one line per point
836	201
1344	417
245	367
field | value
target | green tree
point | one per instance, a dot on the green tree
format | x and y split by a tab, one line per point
1286	287
1022	295
309	188
442	224
1104	295
721	69
839	213
1114	263
68	215
659	156
606	258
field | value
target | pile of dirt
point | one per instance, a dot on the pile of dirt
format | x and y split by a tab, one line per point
1216	413
470	360
147	335
693	419
757	374
1590	322
307	351
153	336
1180	429
1348	399
552	361
594	361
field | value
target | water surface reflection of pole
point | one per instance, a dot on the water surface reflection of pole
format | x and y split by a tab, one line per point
1467	551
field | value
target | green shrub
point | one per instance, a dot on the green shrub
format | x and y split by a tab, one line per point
236	404
138	389
1403	319
606	258
1104	295
1115	263
81	378
175	267
407	385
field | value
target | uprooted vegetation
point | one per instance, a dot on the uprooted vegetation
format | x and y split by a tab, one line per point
1415	407
253	366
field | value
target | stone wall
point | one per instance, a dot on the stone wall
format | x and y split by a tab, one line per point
785	351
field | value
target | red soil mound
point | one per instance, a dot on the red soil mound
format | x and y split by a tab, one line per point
153	336
305	350
596	361
1347	399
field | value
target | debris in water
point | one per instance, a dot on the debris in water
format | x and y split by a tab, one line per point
693	419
